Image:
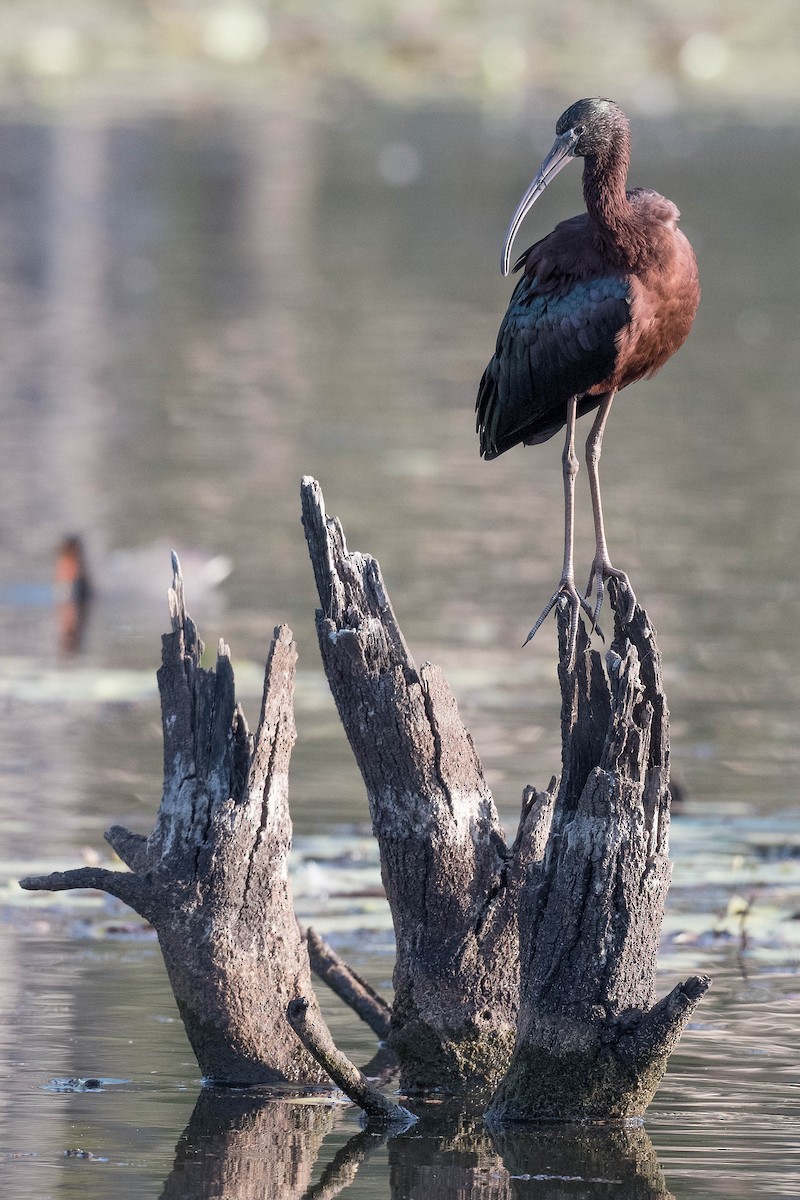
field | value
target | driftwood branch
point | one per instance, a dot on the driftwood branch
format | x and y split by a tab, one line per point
314	1035
130	847
212	877
348	985
116	883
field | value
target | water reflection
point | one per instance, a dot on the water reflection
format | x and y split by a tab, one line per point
343	1167
593	1161
203	306
243	1146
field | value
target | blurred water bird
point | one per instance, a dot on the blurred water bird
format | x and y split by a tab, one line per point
603	301
73	592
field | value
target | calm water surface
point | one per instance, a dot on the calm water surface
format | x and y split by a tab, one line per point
200	307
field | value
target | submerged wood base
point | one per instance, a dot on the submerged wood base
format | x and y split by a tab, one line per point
614	1072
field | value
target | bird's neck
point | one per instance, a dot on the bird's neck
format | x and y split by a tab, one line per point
608	206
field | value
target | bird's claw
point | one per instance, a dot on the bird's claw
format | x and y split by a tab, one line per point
599	574
567	590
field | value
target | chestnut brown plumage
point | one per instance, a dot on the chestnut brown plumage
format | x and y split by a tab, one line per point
603	301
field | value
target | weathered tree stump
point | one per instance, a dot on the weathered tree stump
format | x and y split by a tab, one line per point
571	912
528	969
592	1041
212	877
450	880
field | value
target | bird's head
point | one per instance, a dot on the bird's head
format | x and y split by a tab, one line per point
587	128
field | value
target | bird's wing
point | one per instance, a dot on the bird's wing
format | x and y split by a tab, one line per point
553	343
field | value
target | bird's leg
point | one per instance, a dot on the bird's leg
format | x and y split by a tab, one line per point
566	586
601	566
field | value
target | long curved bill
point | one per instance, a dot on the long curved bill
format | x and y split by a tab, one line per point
562	152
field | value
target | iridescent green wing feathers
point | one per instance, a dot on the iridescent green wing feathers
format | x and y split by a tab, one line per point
551	345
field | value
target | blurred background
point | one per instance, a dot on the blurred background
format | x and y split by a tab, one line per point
243	242
653	56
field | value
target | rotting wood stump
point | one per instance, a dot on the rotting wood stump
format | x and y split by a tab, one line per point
212	877
450	879
528	969
551	942
592	1040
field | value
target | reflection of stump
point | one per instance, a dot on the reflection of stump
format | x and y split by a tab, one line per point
604	1161
244	1146
451	1156
344	1166
448	1157
212	877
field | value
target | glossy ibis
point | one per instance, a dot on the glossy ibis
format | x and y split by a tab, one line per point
603	300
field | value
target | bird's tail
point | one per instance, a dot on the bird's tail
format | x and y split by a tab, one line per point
485	407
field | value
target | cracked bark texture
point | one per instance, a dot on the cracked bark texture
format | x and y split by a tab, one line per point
592	1040
212	877
450	879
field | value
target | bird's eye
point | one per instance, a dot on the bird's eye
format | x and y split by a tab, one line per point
578	131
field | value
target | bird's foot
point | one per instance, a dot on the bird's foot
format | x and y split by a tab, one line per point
600	573
566	588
